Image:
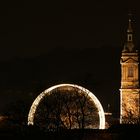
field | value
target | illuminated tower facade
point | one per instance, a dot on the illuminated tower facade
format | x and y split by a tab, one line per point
129	92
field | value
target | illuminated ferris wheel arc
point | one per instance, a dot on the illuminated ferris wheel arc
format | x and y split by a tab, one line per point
48	91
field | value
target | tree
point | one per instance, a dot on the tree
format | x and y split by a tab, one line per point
67	108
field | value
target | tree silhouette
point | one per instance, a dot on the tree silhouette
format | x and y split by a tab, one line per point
66	108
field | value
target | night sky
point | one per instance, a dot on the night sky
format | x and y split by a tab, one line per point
47	43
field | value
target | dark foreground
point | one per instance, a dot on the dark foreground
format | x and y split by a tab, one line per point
117	132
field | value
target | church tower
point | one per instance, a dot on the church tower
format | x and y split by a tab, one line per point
129	91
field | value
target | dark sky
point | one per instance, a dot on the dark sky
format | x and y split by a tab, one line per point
29	29
46	43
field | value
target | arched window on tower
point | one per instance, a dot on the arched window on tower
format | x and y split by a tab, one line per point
130	71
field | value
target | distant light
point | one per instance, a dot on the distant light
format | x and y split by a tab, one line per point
48	92
2	118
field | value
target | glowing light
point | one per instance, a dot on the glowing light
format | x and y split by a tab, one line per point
48	92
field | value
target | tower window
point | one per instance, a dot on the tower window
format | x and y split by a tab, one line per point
130	72
129	37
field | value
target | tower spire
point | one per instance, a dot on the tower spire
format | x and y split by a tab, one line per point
129	30
129	45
